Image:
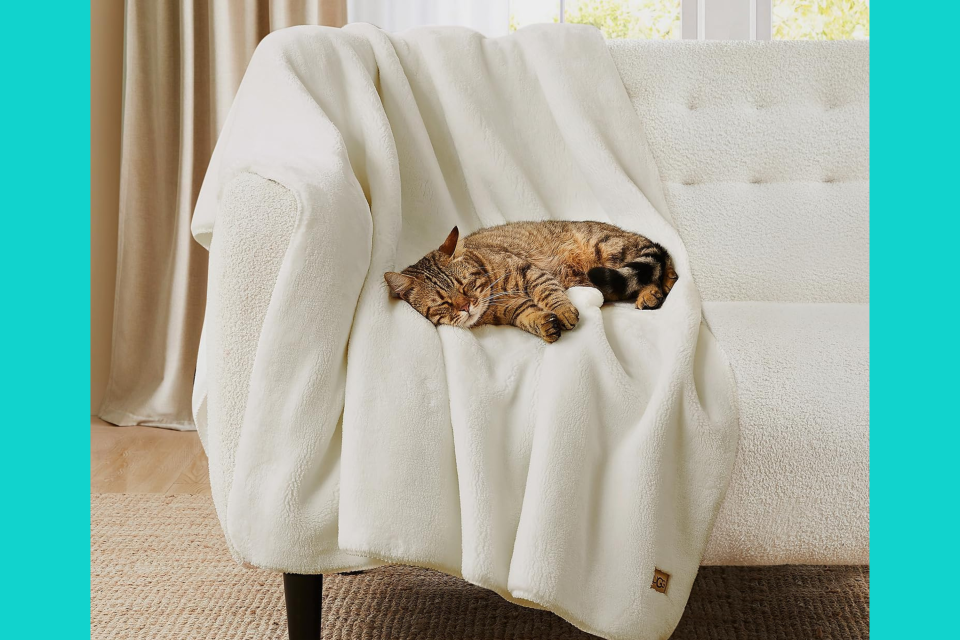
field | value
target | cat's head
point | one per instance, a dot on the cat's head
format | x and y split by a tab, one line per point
444	286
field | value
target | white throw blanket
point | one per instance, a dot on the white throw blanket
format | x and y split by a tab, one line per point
561	476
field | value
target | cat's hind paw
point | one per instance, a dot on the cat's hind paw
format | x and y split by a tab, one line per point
651	297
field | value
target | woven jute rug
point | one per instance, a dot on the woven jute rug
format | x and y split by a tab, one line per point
160	570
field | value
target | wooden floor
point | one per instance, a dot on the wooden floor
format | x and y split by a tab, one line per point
146	460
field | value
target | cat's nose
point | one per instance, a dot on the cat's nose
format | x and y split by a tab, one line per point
464	306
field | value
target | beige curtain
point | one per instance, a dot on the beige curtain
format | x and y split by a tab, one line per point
183	61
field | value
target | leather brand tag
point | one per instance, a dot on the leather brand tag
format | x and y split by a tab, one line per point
660	580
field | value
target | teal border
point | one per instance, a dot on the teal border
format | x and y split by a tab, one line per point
915	250
45	152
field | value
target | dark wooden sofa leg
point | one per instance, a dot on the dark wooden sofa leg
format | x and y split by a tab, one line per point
303	595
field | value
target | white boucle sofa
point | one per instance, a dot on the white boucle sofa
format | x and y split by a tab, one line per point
763	149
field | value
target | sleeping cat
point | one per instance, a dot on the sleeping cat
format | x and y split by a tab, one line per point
517	274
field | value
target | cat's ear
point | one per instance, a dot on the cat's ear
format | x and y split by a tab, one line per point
450	244
399	283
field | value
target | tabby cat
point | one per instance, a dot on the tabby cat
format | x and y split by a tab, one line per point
517	273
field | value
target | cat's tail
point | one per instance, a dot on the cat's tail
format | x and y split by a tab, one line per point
627	281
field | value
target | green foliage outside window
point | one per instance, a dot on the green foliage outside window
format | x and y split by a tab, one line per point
650	19
821	19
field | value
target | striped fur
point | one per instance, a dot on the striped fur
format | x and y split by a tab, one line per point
517	274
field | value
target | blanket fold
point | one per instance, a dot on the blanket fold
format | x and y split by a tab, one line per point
561	476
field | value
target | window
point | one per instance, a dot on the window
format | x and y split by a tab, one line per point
821	19
704	19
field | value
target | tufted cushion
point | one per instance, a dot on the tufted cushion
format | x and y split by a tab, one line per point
763	148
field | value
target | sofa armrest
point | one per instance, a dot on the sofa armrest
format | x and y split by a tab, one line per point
255	224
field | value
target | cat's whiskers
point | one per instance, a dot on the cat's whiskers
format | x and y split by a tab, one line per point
490	286
499	295
502	304
492	302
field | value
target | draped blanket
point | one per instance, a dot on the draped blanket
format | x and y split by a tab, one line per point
581	477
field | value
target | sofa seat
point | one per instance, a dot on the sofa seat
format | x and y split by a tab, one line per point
800	488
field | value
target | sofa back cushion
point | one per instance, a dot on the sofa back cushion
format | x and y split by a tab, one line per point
763	149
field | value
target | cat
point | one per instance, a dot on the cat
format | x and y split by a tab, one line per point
517	274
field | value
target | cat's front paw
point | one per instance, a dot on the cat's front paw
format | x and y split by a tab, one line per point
569	317
548	328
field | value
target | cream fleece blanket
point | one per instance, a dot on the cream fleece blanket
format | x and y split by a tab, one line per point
561	476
